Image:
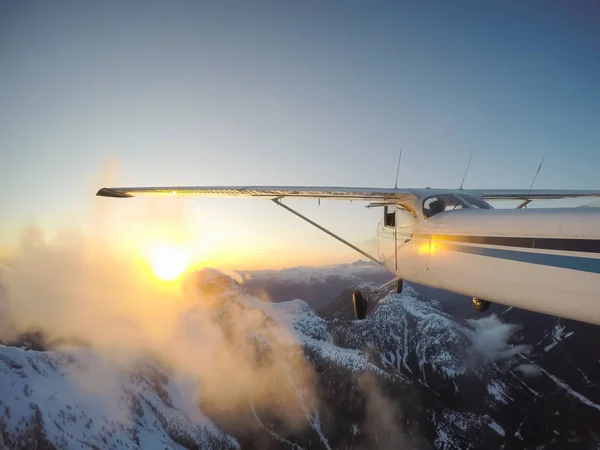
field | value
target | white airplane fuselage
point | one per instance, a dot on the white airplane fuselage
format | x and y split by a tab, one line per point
544	260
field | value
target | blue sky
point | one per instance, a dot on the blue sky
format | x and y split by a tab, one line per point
309	93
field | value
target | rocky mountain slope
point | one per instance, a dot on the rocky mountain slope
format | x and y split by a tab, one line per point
281	376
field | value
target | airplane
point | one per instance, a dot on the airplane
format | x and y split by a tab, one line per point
545	260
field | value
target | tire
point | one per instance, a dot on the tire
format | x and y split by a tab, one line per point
360	305
481	305
398	286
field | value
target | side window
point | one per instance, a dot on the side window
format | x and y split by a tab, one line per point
433	206
389	216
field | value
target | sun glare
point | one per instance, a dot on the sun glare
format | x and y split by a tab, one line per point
168	262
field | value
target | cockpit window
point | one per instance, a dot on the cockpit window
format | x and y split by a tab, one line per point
445	202
475	202
440	203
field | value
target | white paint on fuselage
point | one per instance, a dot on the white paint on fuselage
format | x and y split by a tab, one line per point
546	222
558	291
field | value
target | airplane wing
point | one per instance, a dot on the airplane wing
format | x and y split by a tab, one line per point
268	192
534	194
341	193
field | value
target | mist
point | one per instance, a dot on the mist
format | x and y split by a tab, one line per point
491	341
77	289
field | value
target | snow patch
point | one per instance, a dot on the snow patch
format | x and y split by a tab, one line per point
497	428
496	390
570	391
79	395
558	334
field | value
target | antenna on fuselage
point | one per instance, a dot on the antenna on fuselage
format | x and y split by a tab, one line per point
527	201
466	170
398	169
536	174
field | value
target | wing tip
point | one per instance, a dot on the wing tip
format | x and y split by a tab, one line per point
107	192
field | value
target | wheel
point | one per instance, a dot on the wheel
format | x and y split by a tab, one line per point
398	286
481	305
360	305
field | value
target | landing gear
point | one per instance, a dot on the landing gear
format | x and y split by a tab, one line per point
398	286
481	305
360	305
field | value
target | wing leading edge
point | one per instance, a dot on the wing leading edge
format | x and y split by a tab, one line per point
341	193
268	192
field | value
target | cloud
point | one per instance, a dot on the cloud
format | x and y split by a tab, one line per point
490	339
76	288
529	370
386	425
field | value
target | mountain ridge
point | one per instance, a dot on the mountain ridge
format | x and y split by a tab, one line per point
410	373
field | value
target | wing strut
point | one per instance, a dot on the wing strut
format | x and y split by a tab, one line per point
333	235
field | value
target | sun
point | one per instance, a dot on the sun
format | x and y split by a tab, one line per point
168	262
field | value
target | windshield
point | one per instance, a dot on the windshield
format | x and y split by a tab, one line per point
475	202
446	202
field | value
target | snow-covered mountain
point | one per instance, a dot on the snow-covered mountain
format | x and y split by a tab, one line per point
74	398
317	286
281	376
